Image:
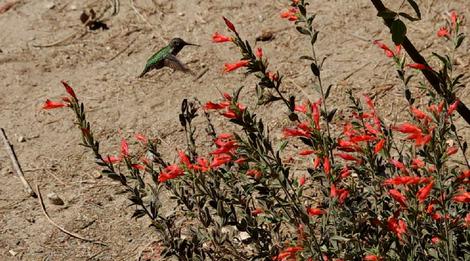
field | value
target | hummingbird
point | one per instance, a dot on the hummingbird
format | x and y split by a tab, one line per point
167	57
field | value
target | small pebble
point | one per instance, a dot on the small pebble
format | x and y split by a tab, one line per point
55	199
97	174
12	252
49	5
181	14
21	139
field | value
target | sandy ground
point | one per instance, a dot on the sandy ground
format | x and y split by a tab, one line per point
43	42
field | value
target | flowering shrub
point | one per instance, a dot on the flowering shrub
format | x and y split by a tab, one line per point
372	191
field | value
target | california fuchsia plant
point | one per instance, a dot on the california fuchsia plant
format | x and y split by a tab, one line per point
373	190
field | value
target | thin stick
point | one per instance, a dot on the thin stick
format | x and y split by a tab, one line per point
122	50
139	14
43	207
16	164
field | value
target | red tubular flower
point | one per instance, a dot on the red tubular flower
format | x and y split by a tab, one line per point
419	66
124	148
112	159
418	113
229	24
405	180
138	166
326	165
219	38
348	146
301	108
214	106
341	194
396	195
435	240
259	53
399	165
302	181
389	53
316	162
347	156
407	128
69	89
306	152
290	132
202	164
228	67
288	253
453	18
372	258
184	159
462	198
345	172
423	193
140	137
291	14
362	138
443	32
379	146
170	172
453	107
220	160
316	115
452	150
315	211
397	226
254	173
417	163
465	174
225	148
48	105
256	211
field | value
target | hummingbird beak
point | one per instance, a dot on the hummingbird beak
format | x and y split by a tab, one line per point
192	44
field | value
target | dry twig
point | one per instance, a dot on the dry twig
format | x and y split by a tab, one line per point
16	165
43	207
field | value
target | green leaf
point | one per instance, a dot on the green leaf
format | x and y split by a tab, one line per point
327	93
302	30
306	57
339	238
415	7
409	17
315	69
460	39
398	29
387	14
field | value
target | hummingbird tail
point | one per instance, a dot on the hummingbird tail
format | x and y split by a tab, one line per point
143	73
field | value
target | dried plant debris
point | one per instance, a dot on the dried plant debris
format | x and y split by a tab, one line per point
90	20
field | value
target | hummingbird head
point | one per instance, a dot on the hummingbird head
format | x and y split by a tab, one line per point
178	44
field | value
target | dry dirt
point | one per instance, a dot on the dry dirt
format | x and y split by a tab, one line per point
43	42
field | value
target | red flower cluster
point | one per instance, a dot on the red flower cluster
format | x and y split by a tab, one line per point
66	102
292	14
228	67
288	253
219	38
397	226
232	111
388	52
415	133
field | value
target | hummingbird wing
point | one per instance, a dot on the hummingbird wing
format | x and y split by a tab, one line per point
156	61
174	63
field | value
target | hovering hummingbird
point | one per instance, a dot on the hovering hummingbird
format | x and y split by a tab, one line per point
167	57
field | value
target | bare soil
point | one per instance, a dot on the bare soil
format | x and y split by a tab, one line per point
43	42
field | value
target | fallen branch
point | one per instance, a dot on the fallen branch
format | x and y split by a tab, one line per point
16	164
430	75
43	207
